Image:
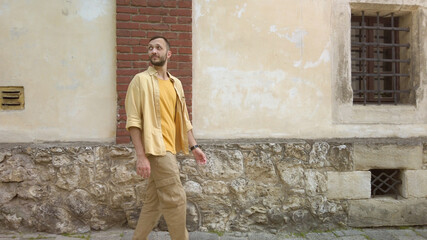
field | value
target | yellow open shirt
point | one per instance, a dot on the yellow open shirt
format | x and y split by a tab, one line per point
143	111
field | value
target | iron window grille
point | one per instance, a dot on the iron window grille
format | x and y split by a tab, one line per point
376	59
385	182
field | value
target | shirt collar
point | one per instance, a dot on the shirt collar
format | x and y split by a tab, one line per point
152	71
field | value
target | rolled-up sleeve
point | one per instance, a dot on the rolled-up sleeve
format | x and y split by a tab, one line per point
133	105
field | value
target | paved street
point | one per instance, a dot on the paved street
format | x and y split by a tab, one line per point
410	233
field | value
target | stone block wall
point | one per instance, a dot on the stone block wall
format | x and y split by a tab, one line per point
247	185
410	207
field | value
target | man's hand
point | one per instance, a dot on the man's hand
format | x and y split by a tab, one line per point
200	156
143	168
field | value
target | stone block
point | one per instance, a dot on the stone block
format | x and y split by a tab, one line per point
387	212
352	238
378	234
391	156
226	237
193	188
320	236
261	236
315	182
349	185
403	233
203	235
414	183
215	187
424	156
348	232
421	232
339	157
159	236
223	165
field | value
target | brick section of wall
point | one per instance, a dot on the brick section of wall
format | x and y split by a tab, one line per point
137	22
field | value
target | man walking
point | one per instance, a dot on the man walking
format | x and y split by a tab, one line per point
159	125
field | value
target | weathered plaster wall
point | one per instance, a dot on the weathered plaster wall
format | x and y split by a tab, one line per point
267	69
63	53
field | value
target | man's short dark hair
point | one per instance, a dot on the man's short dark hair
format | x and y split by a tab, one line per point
166	40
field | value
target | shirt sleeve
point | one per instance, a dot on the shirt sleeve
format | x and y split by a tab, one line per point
188	124
133	105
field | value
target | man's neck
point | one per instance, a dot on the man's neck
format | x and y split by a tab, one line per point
162	72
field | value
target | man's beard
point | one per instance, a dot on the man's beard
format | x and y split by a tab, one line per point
160	63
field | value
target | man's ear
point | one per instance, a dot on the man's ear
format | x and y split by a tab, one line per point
169	54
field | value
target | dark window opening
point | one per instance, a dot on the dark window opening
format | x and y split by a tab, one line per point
377	69
385	182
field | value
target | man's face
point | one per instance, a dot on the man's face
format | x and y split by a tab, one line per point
158	52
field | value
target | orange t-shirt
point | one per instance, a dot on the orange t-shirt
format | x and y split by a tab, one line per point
167	113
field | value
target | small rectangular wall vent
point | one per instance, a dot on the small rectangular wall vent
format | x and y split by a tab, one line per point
385	182
12	98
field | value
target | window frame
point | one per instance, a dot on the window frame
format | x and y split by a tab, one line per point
344	110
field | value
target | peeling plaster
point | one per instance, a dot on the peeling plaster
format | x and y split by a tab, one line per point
293	92
296	37
17	32
256	92
324	58
197	12
258	95
256	28
273	28
93	9
241	89
241	10
4	8
297	63
257	89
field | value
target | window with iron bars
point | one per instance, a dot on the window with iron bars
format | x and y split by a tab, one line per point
385	182
379	68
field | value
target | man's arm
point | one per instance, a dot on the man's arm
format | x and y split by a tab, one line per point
199	155
143	167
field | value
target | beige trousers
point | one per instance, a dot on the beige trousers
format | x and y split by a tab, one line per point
164	195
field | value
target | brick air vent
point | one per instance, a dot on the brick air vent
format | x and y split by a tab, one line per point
12	98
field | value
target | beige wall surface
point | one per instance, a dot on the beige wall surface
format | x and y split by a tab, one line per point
265	69
63	53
